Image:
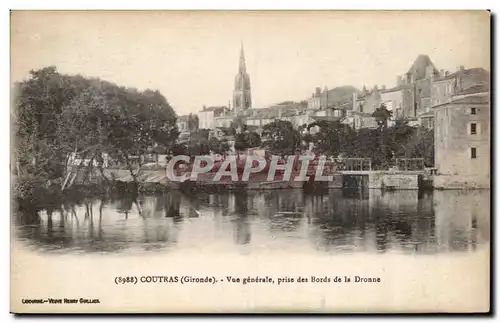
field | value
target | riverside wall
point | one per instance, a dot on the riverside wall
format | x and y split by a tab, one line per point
396	181
376	180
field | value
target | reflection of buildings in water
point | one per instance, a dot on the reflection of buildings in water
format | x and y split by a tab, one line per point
242	232
377	223
336	220
284	210
462	219
240	203
439	221
395	201
258	201
218	200
404	220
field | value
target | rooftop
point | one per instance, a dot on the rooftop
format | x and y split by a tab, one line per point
324	118
475	99
184	118
466	72
480	88
419	67
214	108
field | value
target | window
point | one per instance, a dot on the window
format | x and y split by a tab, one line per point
473	128
473	153
450	89
472	110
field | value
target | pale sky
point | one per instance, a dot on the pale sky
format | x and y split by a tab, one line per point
192	57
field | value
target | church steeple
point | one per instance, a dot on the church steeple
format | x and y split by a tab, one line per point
242	99
242	68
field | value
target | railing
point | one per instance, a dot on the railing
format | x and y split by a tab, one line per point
353	164
410	164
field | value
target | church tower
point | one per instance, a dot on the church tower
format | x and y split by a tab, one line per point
242	98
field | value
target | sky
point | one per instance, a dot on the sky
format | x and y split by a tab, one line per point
192	57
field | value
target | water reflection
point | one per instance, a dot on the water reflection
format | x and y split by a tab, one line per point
288	220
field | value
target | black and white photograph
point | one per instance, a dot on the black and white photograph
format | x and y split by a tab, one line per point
250	161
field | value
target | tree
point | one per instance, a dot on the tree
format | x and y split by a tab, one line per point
421	145
333	138
238	125
382	116
198	148
57	114
246	140
38	105
281	138
220	147
138	122
193	122
253	139
240	142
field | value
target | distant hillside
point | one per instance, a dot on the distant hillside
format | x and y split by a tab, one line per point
341	94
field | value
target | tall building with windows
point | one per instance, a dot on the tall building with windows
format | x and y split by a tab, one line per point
462	142
242	97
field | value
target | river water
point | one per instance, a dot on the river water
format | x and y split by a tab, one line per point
430	252
282	221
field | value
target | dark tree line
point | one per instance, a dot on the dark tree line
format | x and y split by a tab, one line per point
56	115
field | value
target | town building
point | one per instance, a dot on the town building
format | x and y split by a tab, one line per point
182	123
334	98
412	93
462	142
449	86
363	107
208	115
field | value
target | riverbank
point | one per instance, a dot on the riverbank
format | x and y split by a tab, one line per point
30	191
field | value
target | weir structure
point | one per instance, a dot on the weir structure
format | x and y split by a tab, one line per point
403	173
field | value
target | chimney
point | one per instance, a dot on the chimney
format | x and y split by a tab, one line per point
446	73
462	68
441	72
399	80
383	87
375	87
354	99
204	107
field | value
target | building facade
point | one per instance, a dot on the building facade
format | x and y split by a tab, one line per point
450	86
208	115
363	107
182	123
412	94
462	142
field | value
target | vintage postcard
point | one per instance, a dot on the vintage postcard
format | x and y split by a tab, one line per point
250	162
